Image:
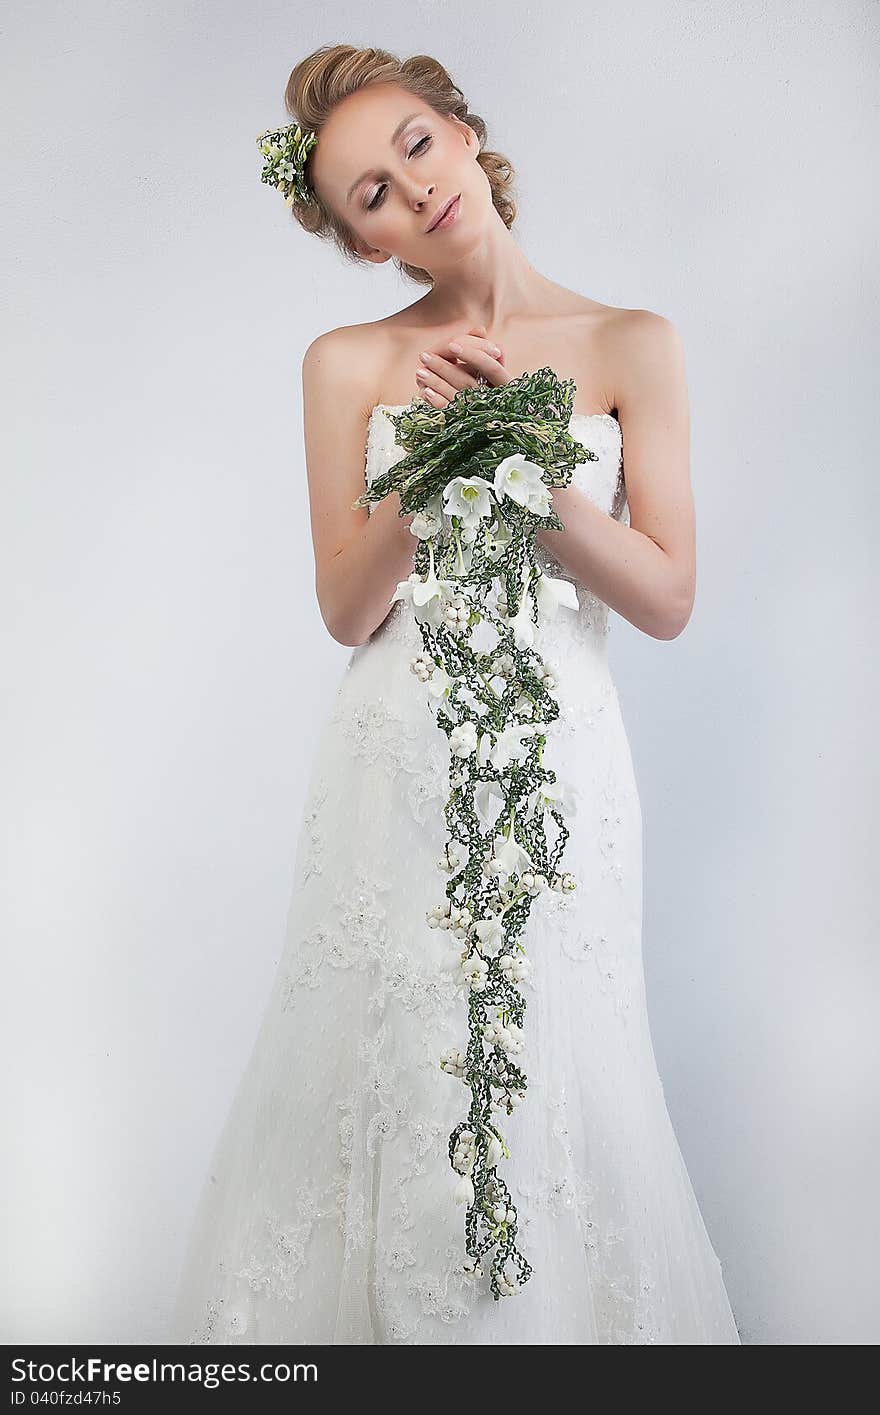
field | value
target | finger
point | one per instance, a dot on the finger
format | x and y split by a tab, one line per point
476	334
467	347
434	384
490	345
462	348
436	400
479	340
479	359
447	378
447	371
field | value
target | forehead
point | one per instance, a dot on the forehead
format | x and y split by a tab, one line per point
358	135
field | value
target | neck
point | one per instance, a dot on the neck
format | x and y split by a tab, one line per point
493	285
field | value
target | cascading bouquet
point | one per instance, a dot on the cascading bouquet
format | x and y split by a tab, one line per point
478	477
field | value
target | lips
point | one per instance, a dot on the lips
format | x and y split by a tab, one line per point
443	212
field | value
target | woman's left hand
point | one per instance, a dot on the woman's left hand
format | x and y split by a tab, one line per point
459	364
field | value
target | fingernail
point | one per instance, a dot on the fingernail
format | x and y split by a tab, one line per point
456	348
421	373
425	356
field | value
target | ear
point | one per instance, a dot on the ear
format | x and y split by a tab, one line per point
467	133
370	253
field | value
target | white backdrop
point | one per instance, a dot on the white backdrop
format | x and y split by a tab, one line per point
164	662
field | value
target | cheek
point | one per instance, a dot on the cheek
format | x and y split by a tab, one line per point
391	228
374	228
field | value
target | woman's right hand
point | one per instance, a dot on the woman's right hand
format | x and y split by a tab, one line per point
458	363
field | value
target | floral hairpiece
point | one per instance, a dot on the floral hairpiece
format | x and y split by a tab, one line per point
286	151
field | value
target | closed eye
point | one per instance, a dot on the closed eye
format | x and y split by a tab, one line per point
376	202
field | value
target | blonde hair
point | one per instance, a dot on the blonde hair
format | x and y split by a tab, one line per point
333	72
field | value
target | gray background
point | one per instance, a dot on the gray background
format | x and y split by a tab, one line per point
164	664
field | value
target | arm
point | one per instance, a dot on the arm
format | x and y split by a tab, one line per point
359	557
646	571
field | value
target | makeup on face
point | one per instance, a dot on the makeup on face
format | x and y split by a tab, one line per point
448	217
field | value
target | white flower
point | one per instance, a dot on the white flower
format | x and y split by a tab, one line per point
464	1191
490	932
484	749
523	481
426	523
510	744
470	498
463	739
510	855
521	623
405	587
427	596
553	793
493	1152
440	683
486	795
553	593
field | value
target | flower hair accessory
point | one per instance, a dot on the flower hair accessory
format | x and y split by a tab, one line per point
286	151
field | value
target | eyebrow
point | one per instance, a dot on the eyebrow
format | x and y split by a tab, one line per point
394	136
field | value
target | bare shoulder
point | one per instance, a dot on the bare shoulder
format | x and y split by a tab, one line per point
632	324
644	351
348	362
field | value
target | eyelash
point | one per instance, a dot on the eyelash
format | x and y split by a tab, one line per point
374	204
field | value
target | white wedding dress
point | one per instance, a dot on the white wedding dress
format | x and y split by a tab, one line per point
328	1214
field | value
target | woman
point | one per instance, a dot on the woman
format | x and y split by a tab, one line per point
328	1215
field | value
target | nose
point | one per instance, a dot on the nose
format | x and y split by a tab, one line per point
421	195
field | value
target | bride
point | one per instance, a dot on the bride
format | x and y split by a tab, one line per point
328	1215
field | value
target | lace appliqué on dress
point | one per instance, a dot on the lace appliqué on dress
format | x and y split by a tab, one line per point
621	1296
